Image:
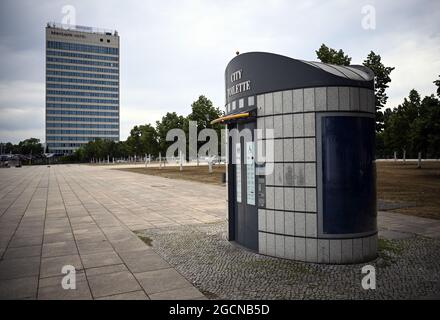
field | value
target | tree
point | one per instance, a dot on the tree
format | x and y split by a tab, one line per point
143	140
134	141
98	149
10	148
400	124
396	133
384	149
329	55
121	149
429	126
437	83
168	122
149	139
381	81
413	126
30	146
203	112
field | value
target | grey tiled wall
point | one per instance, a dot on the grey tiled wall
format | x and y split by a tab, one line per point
316	99
288	225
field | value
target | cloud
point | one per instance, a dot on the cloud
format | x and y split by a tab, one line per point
417	71
22	110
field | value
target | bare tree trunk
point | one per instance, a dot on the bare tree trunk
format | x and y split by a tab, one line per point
419	161
210	165
404	156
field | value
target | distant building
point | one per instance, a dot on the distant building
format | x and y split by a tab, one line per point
82	86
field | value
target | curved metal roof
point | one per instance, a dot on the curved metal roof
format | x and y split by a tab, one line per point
354	72
261	72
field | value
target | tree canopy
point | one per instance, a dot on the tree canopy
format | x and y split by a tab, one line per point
381	81
31	146
412	127
332	56
437	83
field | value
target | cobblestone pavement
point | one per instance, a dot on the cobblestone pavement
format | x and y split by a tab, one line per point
406	268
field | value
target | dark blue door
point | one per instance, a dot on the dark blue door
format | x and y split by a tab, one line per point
243	221
348	174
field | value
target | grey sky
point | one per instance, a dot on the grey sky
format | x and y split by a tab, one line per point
173	51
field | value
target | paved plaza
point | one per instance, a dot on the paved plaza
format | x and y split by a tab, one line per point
134	236
84	216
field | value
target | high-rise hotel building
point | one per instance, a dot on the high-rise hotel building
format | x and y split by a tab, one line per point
82	86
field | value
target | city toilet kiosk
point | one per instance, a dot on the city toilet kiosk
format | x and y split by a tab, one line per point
302	186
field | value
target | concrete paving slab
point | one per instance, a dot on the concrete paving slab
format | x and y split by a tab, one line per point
113	283
129	245
53	230
56	292
23	252
145	260
100	259
188	293
89	246
19	267
92	236
52	266
19	288
58	237
161	280
56	249
57	280
135	295
106	269
26	241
